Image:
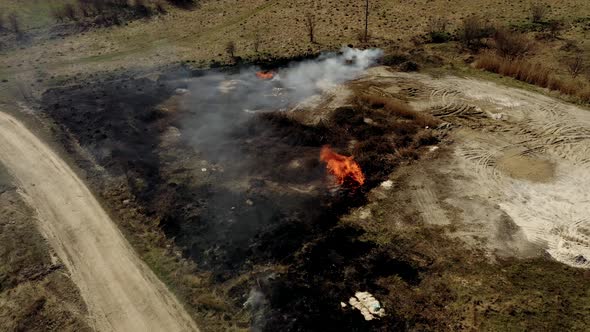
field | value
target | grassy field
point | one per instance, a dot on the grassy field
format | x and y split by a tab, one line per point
199	36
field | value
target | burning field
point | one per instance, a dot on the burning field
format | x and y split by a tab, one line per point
251	180
250	194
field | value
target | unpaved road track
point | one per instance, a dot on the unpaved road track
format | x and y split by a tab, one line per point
121	292
517	154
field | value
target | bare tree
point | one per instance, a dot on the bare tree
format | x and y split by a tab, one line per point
310	26
69	11
159	5
511	44
555	28
230	48
575	65
257	42
14	23
473	30
366	21
538	11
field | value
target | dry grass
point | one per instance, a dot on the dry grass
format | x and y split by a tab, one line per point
400	109
536	74
584	94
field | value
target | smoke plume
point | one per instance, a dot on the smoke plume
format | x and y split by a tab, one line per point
218	102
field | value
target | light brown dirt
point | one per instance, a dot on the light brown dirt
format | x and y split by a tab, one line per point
121	292
519	169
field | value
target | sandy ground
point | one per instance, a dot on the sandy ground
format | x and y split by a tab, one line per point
520	167
121	292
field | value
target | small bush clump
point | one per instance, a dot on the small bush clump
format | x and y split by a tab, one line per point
437	30
511	44
87	13
473	30
394	59
538	12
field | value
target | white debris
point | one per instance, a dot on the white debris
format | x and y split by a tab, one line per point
368	121
180	91
369	307
433	148
203	169
498	116
387	184
249	202
343	305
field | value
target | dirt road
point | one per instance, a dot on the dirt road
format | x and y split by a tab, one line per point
520	169
121	292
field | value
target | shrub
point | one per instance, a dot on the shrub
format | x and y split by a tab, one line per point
394	59
575	65
409	66
361	38
407	153
439	37
584	94
230	48
14	23
437	30
142	9
555	27
538	11
183	3
511	44
160	8
68	11
473	30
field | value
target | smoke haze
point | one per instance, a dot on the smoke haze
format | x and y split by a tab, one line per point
218	102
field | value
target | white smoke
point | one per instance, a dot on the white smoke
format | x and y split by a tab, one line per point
218	102
313	76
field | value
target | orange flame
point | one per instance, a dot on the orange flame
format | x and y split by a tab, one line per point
265	75
344	168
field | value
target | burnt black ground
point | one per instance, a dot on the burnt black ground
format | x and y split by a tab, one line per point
117	120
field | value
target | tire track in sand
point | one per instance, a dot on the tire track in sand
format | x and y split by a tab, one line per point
525	153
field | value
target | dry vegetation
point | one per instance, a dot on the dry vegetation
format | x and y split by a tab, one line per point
100	13
536	74
400	109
